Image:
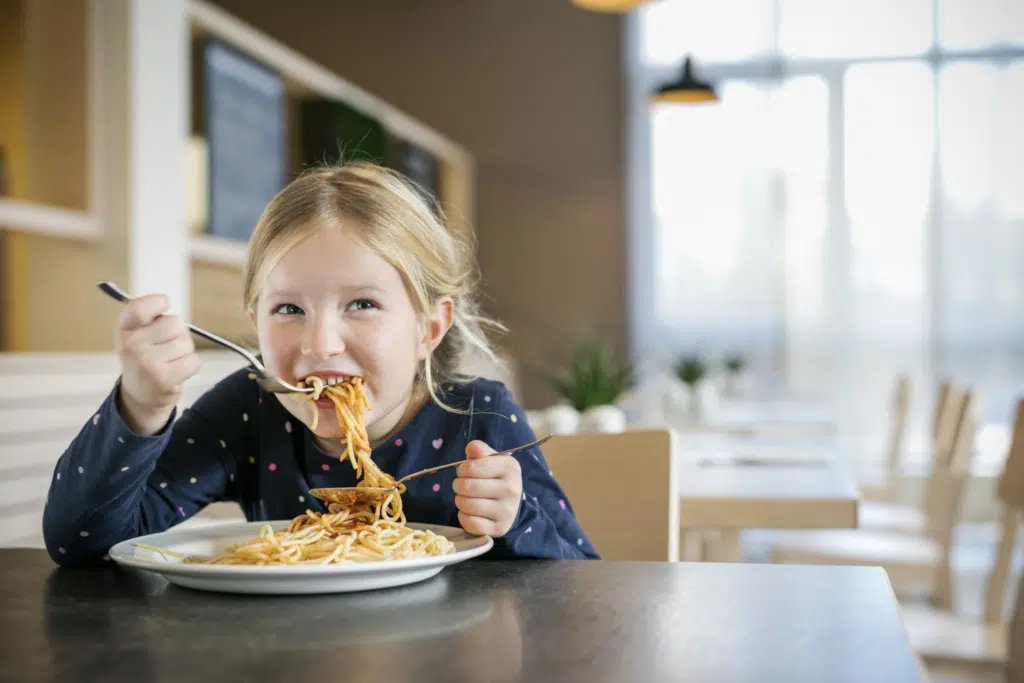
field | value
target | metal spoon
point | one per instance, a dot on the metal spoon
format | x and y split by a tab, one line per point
267	381
365	495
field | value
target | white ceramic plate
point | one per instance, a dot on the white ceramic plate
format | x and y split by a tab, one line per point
282	580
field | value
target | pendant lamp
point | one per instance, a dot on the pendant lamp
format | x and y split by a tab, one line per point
610	6
687	89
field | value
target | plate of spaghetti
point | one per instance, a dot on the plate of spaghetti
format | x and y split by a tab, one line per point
356	548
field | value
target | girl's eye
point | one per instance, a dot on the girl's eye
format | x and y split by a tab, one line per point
288	309
362	305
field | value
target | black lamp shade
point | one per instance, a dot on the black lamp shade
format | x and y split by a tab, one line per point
688	89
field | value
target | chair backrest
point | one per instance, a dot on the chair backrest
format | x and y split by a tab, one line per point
948	477
45	399
900	410
624	489
945	423
947	483
1010	492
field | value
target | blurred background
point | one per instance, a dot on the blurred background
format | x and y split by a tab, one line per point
832	197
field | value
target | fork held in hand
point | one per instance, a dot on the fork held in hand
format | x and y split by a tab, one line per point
268	381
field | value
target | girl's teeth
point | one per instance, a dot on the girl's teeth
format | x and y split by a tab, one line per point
328	381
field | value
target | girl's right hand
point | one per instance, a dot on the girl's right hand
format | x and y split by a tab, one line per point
157	356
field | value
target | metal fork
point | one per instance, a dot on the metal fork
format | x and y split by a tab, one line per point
267	381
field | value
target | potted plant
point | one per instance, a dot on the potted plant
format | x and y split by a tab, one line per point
736	378
700	398
590	386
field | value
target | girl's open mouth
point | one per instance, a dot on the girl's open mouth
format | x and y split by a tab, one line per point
326	380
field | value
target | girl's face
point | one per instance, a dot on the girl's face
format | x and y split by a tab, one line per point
335	308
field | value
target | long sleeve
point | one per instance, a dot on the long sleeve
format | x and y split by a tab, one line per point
111	484
545	525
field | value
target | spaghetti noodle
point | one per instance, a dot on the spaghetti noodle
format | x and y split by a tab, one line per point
362	533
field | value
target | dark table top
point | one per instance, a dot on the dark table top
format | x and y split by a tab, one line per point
478	621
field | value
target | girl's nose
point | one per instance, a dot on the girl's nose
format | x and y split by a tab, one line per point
322	339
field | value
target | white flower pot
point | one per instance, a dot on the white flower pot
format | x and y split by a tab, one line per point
704	400
561	419
676	399
537	420
607	418
737	384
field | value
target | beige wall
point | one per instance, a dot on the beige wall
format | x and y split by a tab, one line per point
49	301
534	89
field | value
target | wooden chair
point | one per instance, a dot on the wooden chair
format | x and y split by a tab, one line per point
887	488
918	561
45	399
911	519
624	489
942	636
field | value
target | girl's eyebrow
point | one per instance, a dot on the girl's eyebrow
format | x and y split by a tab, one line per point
346	288
367	289
274	293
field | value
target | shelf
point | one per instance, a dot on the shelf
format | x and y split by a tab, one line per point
52	221
305	75
217	251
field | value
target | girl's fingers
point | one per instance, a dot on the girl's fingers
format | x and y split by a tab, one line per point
482	507
478	526
488	468
495	489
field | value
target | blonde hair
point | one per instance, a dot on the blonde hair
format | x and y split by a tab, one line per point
390	215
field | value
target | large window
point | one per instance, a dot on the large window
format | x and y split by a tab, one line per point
852	207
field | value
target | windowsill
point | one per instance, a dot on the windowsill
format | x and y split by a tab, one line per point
48	220
218	251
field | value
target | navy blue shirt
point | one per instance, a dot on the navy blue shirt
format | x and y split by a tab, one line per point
238	443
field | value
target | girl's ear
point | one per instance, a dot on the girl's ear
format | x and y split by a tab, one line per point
442	314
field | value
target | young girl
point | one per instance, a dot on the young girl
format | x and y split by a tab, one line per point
349	273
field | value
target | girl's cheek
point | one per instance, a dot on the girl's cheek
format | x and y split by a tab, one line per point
276	350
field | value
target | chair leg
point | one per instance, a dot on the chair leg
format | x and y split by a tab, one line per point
692	547
942	591
726	546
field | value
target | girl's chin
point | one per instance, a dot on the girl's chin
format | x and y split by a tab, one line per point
327	431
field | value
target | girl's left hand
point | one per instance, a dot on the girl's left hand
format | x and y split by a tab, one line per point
487	491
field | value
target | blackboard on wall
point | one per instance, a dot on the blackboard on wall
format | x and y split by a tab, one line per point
419	166
245	112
